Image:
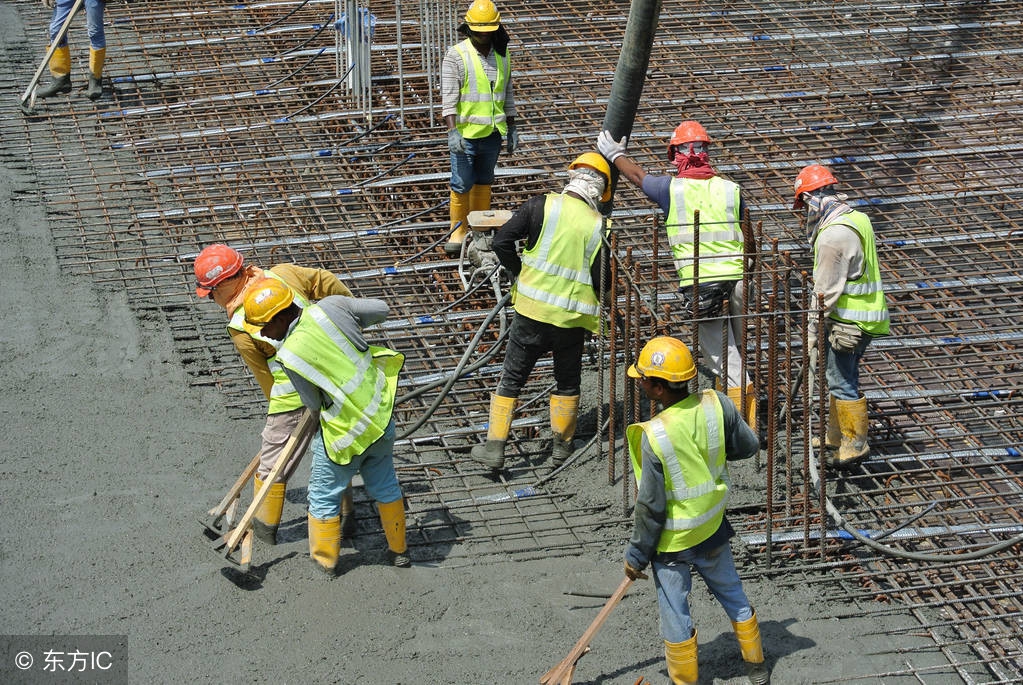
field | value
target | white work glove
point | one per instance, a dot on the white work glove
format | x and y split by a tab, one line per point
456	143
609	147
513	138
48	4
811	343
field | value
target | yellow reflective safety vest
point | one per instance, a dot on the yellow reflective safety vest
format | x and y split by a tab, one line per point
480	107
721	242
688	438
283	396
554	285
862	300
359	386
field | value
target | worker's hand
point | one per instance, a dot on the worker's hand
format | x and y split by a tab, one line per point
48	4
456	143
513	138
609	147
634	574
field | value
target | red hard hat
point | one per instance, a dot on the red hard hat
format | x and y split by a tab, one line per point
214	264
810	179
688	131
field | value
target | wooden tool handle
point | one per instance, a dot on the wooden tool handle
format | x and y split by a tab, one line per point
562	673
234	536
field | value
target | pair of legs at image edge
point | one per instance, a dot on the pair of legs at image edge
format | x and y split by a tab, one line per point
528	340
673	579
60	60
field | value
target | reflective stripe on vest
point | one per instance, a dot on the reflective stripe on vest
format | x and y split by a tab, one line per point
721	241
480	107
688	439
283	396
554	285
862	300
360	386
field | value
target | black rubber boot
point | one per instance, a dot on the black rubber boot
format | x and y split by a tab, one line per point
60	84
95	90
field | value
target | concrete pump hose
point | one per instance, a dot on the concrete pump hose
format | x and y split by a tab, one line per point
839	519
460	369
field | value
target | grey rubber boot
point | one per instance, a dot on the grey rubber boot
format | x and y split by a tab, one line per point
491	453
60	84
95	90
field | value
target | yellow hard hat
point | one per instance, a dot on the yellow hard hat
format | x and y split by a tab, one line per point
664	357
596	162
483	16
265	299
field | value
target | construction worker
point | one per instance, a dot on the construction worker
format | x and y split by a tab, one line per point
555	299
680	460
224	277
698	187
60	60
350	384
478	109
846	272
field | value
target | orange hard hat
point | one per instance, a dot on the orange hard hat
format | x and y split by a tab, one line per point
688	131
214	264
810	179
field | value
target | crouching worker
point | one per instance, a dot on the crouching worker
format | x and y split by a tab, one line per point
351	385
680	461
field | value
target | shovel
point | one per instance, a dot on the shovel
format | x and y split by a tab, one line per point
230	540
28	99
562	673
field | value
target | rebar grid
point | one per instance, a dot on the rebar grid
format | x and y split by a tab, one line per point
230	123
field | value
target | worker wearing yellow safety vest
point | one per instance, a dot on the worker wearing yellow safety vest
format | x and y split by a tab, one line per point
555	299
223	277
846	271
680	460
720	266
478	109
350	385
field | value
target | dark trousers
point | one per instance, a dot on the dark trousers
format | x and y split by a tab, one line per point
527	341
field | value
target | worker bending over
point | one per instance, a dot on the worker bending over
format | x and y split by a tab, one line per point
846	271
224	277
555	299
697	187
350	385
680	460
